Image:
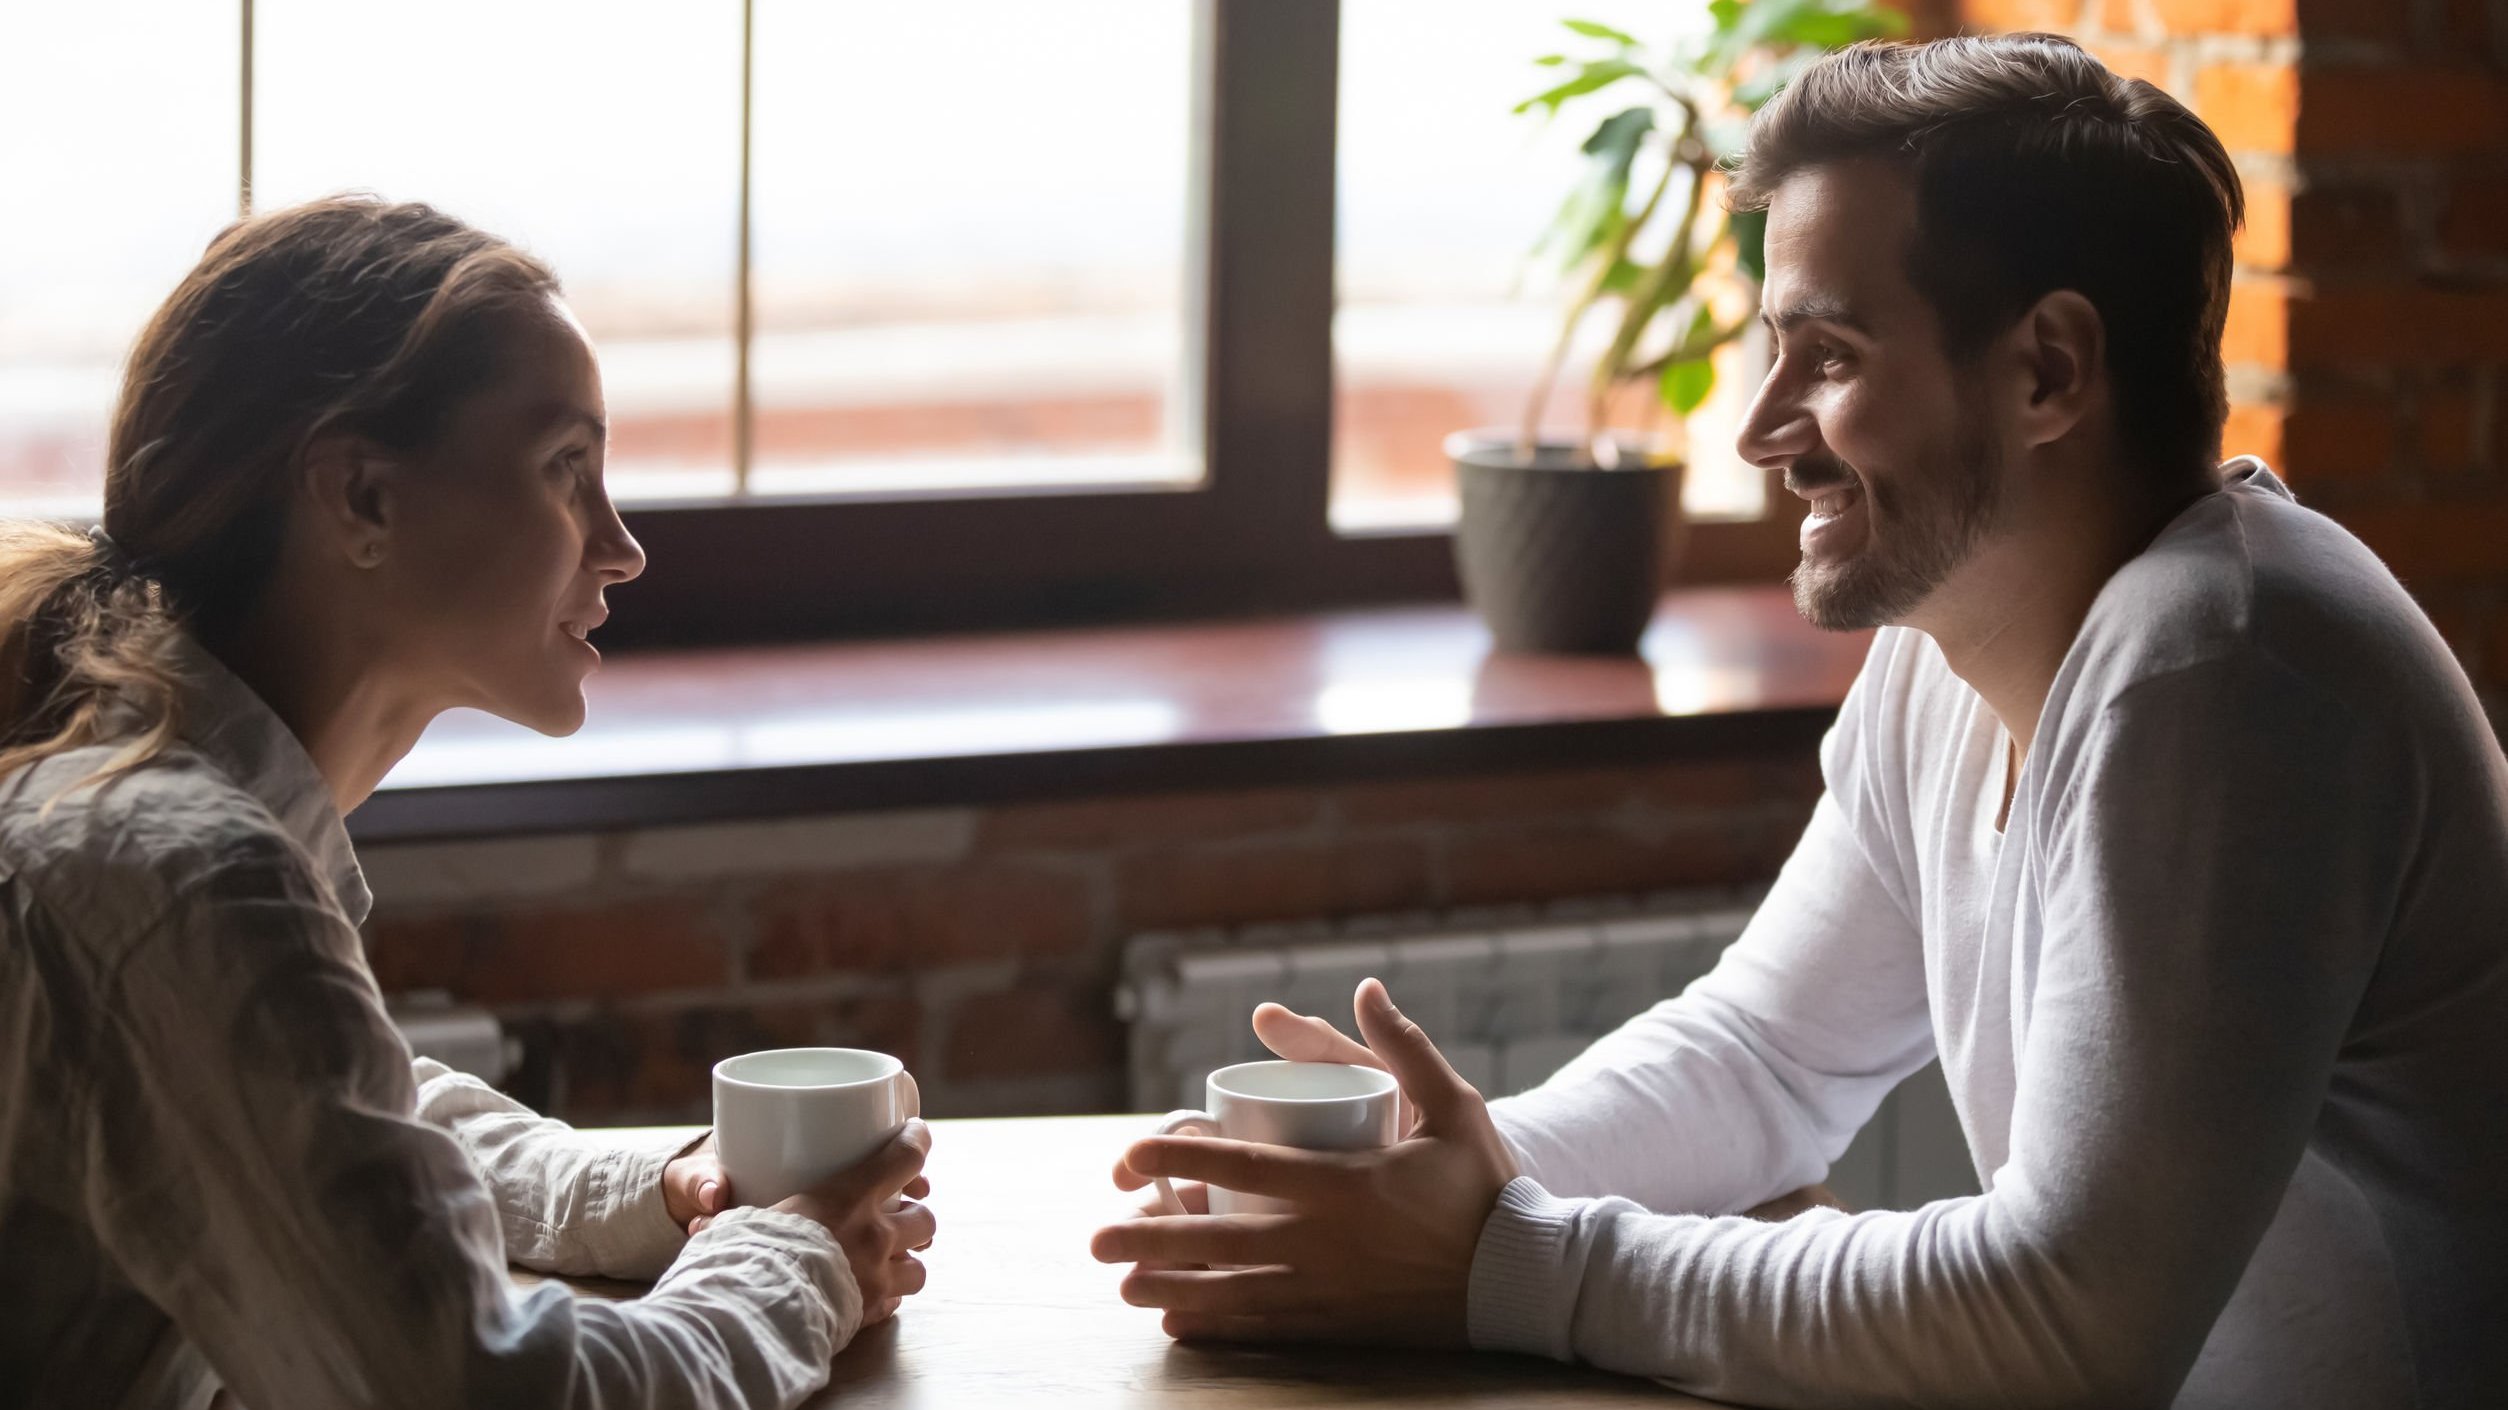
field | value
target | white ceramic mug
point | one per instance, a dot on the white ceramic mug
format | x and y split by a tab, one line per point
1316	1106
788	1118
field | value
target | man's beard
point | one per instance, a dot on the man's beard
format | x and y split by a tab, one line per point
1917	532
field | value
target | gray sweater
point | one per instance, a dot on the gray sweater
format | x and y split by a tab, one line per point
2224	1012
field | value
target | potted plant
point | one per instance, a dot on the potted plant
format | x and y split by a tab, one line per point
1563	539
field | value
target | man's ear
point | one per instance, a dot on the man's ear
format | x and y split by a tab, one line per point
2061	350
350	488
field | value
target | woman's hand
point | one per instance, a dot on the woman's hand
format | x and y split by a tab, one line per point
694	1186
870	1208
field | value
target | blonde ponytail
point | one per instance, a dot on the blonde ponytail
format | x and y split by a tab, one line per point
81	631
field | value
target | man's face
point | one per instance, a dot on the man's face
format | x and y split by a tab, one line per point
1864	411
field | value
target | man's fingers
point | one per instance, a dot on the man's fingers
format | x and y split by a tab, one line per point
1435	1090
1194	1197
917	1188
1188	1238
1303	1038
1230	1292
1278	1171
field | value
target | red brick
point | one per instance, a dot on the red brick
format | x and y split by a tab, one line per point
2263	243
2400	112
2437	541
658	1065
2182	18
2364	21
2445	429
2007	16
1031	1032
610	951
2345	227
426	952
1479	797
2467	30
1165	819
2135	61
2251	107
1282	881
2258	330
2254	429
2475	221
921	918
2336	436
1579	860
2398	323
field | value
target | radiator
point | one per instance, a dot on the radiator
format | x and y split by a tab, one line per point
460	1036
1509	1001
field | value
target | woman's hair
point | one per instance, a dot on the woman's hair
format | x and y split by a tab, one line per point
349	315
2036	169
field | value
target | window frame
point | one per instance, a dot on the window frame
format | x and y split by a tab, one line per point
1253	535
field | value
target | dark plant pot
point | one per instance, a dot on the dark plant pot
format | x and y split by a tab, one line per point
1557	553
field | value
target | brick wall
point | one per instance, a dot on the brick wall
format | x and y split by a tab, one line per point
2369	329
981	945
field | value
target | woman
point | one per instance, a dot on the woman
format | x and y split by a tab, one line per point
354	481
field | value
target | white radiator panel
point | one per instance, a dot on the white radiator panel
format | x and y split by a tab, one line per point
1509	1002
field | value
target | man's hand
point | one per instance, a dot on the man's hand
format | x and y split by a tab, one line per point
1378	1244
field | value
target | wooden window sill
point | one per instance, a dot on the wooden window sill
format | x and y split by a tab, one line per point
706	735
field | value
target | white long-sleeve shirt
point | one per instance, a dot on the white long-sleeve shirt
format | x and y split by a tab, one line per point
218	1163
2224	1011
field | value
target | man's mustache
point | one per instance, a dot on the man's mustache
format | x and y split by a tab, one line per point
1818	475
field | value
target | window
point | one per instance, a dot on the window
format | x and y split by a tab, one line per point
1444	312
603	135
970	245
118	122
911	315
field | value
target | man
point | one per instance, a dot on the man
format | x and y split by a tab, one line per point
2158	813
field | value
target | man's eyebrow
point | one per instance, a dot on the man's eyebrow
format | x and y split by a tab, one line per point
1813	310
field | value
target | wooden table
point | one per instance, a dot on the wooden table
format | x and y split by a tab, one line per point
1017	1313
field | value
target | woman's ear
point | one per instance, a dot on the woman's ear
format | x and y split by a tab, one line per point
2062	351
350	485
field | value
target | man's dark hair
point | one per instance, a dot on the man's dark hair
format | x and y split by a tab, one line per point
2036	169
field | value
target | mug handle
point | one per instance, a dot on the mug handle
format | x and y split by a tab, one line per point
1176	1122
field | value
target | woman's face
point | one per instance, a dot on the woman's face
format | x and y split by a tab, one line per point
504	539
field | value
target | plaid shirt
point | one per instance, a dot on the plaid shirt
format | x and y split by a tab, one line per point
218	1163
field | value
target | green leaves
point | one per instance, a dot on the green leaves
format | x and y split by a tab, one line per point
1694	101
1595	210
1818	24
1685	385
1591	30
1686	380
1600	74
